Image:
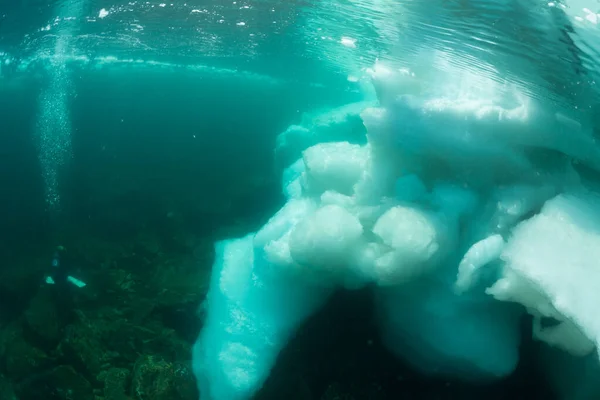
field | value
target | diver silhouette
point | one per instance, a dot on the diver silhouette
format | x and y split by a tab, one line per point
62	283
60	272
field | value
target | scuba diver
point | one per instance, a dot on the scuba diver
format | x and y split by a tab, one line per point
59	275
60	284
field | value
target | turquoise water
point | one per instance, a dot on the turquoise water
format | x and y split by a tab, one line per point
312	51
141	133
194	67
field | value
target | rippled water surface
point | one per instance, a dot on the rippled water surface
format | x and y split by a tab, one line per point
549	48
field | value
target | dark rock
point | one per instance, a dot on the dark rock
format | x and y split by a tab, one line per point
286	386
140	309
43	320
147	244
352	391
18	284
167	343
81	347
128	340
156	379
152	379
335	391
59	383
181	282
116	381
181	286
6	390
19	357
185	382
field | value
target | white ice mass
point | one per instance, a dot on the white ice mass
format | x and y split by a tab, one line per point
460	205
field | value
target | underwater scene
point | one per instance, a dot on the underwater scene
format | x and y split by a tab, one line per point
299	199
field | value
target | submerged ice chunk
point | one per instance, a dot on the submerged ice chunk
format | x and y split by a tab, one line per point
334	166
415	238
290	180
325	240
251	317
562	333
439	333
410	188
272	242
565	335
478	256
452	125
515	202
553	269
338	124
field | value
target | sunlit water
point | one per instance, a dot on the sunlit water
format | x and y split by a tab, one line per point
54	123
549	48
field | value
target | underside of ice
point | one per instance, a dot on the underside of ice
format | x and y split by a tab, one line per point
459	206
552	268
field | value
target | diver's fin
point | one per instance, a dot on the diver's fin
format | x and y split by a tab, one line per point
76	282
